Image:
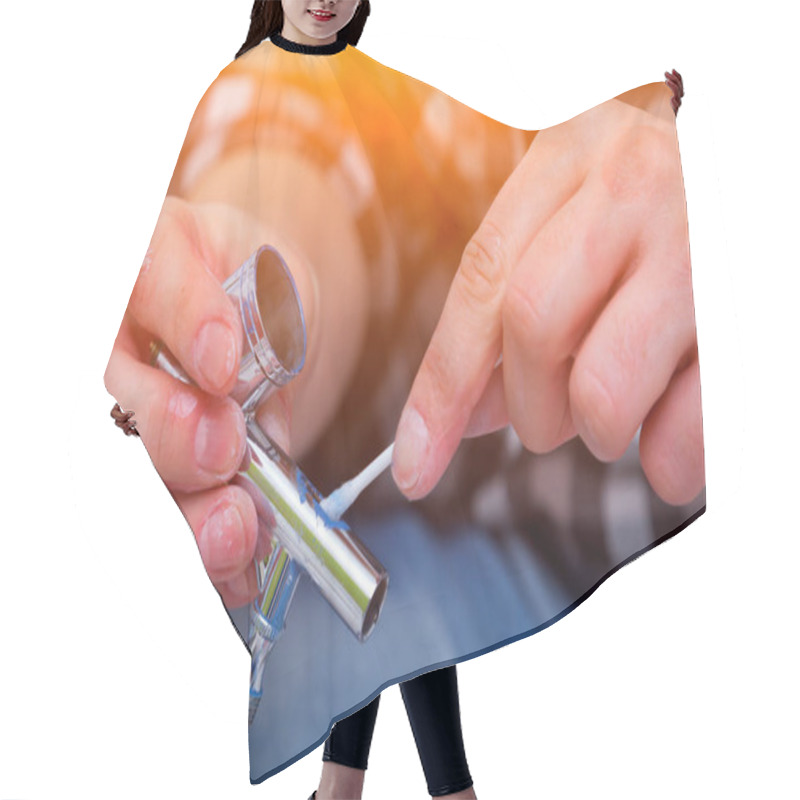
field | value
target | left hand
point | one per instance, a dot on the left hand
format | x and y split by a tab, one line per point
579	278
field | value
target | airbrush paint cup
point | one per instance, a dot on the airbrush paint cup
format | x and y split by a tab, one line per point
274	346
274	326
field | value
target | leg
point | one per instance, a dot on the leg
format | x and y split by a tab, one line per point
346	754
432	705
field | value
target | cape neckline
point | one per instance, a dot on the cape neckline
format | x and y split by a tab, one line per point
308	49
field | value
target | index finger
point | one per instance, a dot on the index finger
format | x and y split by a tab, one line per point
177	300
467	341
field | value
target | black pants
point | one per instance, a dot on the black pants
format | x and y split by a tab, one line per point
432	706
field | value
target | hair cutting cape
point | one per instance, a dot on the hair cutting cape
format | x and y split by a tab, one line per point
509	541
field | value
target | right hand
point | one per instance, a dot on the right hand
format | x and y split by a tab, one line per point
195	435
579	277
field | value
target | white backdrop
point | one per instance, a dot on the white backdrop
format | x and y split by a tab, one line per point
120	674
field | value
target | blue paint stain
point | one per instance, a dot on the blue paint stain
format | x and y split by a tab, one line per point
309	496
303	486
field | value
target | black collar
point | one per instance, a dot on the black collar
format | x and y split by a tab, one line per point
308	49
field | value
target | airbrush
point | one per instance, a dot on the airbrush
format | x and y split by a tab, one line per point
305	532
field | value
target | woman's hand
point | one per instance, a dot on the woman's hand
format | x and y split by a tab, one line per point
195	435
579	280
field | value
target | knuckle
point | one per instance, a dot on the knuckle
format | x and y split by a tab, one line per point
526	315
639	164
438	375
483	266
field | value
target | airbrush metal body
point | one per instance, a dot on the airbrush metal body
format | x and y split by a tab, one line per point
303	536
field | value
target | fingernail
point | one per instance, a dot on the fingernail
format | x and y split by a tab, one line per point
219	441
411	450
215	353
220	540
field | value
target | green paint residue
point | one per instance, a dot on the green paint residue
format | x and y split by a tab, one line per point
308	537
272	589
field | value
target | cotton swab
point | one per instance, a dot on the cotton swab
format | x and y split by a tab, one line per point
338	501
